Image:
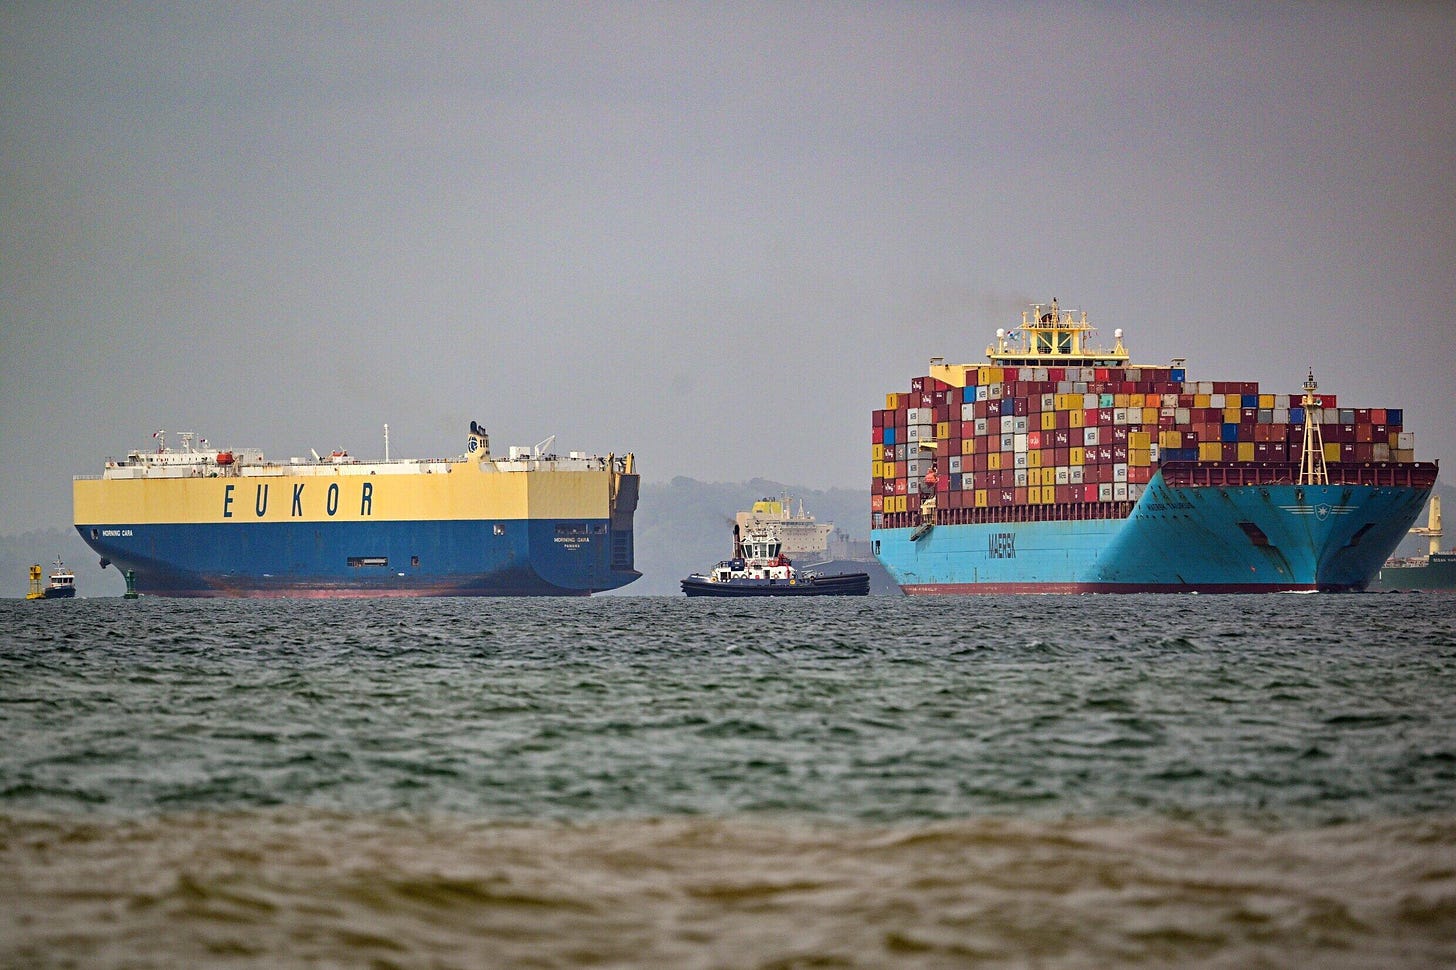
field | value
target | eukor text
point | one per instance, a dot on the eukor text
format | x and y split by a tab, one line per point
331	500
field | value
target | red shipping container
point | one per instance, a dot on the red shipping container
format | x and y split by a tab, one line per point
902	486
1033	440
877	503
1231	451
1089	492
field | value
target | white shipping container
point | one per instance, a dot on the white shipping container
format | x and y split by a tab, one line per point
1018	442
1089	402
1020	425
983	393
1119	472
1090	436
983	427
1182	418
1216	401
1119	415
1020	477
1104	492
954	464
1074	475
1119	491
1008	442
1405	441
1019	459
1048	402
1063	475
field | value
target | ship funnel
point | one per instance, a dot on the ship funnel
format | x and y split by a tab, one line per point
478	444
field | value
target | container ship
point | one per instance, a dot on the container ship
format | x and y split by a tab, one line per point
199	521
1055	467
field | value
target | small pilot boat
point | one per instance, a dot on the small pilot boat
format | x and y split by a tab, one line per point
62	584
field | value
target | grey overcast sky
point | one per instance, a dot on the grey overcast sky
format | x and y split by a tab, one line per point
713	234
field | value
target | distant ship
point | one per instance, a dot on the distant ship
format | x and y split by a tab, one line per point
62	583
218	522
1058	467
1434	571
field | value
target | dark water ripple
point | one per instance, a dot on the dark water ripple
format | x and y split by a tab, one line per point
1018	781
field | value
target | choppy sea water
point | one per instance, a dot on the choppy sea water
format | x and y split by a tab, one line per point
1090	781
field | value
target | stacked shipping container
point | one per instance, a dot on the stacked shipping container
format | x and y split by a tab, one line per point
1018	443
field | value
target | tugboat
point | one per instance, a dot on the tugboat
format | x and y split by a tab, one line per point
62	584
759	568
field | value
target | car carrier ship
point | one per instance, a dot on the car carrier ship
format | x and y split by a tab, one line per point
1059	468
211	522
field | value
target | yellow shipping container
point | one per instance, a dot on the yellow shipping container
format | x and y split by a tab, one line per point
1139	440
1076	456
1049	420
1137	400
1077	418
1231	415
1200	400
1141	457
877	452
1246	451
1266	401
1332	451
1170	439
1033	458
1033	495
968	446
892	401
877	469
980	498
942	430
1150	416
1120	401
1210	451
993	461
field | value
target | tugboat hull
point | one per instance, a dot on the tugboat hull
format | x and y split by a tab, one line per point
843	584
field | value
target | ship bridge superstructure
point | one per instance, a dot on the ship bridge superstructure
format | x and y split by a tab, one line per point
1047	337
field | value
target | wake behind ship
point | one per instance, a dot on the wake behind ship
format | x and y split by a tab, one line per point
1060	468
210	522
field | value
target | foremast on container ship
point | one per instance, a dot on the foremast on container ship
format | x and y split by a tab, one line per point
214	522
1060	467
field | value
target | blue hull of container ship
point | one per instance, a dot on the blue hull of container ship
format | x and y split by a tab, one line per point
1231	539
341	559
